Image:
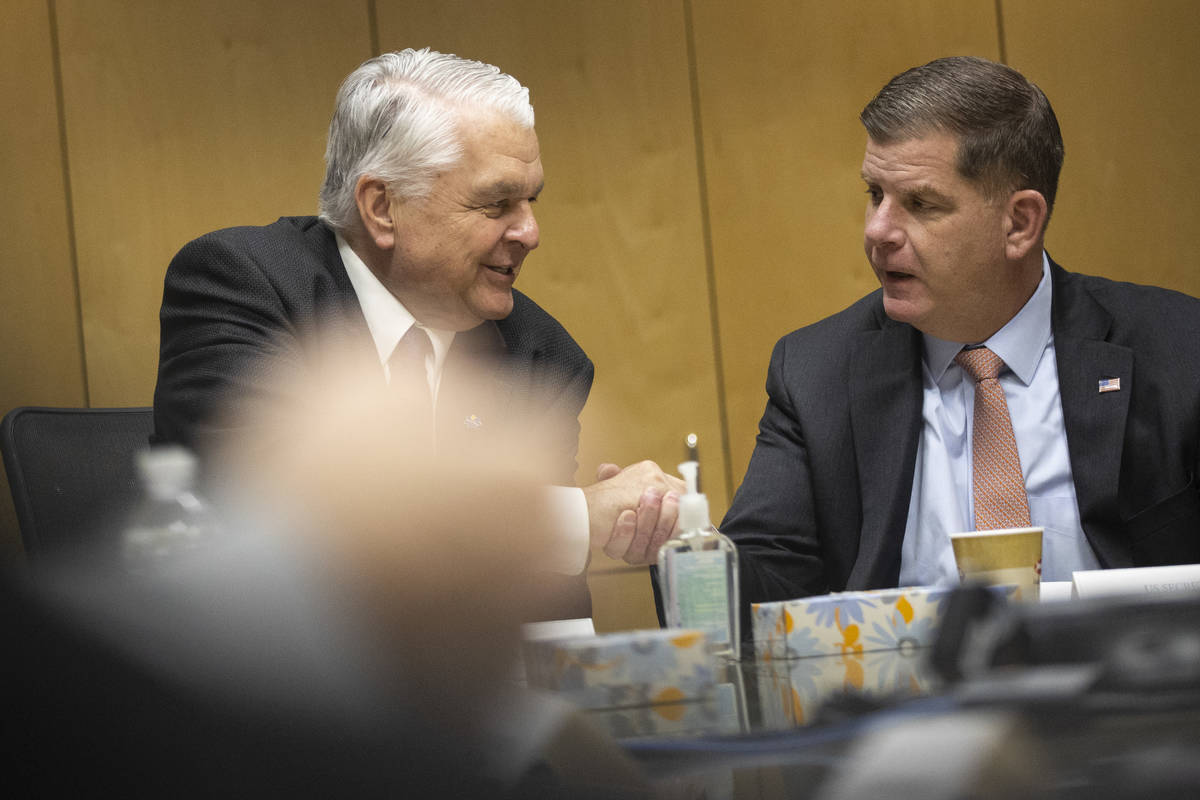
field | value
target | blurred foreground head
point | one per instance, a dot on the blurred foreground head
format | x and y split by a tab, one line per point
431	544
355	628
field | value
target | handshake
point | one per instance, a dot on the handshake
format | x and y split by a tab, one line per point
632	511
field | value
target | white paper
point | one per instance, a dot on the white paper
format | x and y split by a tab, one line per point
1055	591
1136	581
558	629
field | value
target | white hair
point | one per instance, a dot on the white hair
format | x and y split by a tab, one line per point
396	119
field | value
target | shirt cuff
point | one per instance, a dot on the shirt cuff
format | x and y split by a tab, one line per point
568	509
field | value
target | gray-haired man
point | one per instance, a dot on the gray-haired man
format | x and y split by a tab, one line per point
426	218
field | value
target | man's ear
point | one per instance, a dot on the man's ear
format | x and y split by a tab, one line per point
375	210
1024	222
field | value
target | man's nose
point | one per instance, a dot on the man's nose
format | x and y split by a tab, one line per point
524	227
881	226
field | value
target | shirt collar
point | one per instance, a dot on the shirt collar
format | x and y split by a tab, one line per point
387	318
1020	343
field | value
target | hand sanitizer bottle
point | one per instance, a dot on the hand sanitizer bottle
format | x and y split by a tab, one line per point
699	573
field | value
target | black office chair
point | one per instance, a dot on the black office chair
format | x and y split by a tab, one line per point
72	474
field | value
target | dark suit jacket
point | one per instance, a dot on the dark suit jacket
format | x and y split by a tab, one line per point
237	300
825	499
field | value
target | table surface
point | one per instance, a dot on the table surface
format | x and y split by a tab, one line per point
863	724
883	723
760	696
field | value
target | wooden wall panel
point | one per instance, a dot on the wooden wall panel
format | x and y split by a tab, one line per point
40	352
781	85
184	117
622	260
1122	78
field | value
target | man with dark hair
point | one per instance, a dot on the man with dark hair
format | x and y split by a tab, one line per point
982	386
426	217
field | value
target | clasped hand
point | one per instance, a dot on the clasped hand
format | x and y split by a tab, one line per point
633	511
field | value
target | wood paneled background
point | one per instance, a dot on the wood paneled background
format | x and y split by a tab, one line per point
702	176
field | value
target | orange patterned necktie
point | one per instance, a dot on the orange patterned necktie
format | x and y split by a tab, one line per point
999	488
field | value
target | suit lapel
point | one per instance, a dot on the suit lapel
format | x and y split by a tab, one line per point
475	391
1094	421
885	419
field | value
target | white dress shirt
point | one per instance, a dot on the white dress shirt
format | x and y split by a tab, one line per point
942	501
388	321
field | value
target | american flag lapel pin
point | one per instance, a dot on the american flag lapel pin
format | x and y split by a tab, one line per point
1110	385
473	421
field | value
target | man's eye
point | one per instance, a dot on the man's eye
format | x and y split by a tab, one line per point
495	209
875	195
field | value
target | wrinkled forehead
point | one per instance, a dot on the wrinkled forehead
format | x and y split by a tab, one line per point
934	152
483	132
499	159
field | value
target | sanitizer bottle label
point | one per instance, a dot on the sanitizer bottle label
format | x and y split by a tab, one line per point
701	595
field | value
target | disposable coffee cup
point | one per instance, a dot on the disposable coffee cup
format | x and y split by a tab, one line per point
1011	556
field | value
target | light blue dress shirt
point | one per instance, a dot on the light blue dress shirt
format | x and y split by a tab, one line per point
942	501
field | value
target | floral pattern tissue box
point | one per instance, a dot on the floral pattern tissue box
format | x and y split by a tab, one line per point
792	691
848	622
620	670
692	718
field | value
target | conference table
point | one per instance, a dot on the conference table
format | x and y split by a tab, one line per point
1087	701
887	723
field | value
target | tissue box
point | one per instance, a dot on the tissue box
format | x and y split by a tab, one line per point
692	718
791	691
846	623
620	670
721	712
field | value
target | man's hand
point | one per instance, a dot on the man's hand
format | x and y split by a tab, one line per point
633	510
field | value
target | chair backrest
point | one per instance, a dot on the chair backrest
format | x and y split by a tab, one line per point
72	473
